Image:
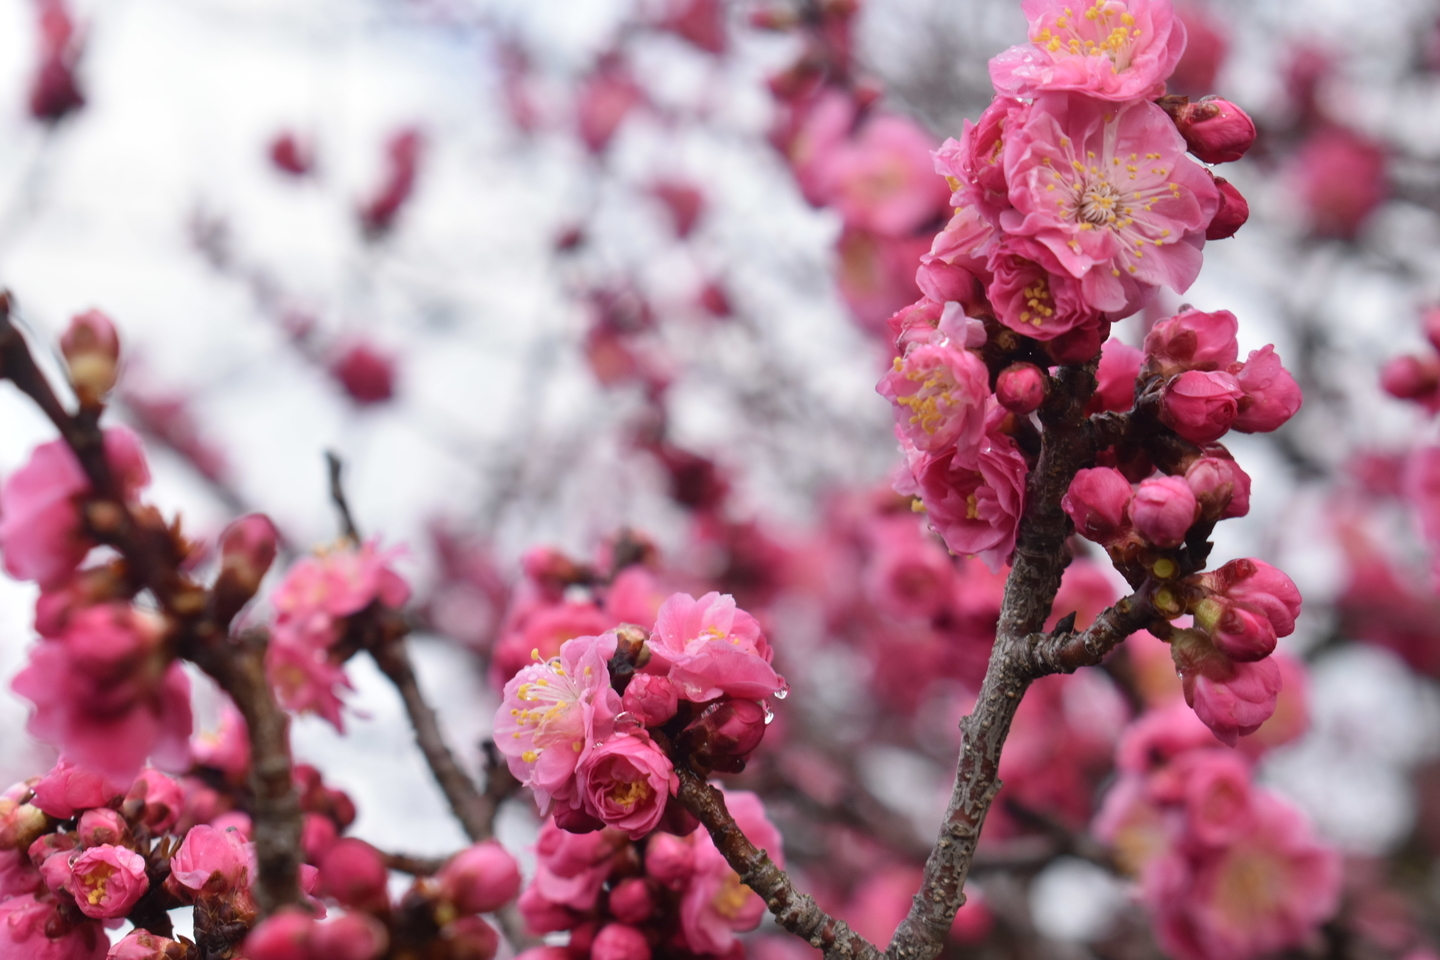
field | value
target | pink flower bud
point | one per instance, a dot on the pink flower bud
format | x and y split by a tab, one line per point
353	872
247	548
144	945
102	826
1201	405
285	935
650	698
1242	634
155	800
1430	320
50	844
1215	130
725	734
626	783
631	900
1411	377
1163	510
403	151
55	871
211	858
1193	340
1230	215
107	881
1271	395
92	352
1097	502
1232	699
365	373
1116	375
352	936
1256	585
543	915
1221	488
617	941
291	155
318	834
480	879
670	860
1020	388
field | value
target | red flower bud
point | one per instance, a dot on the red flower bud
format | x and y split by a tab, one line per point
354	873
1271	395
1220	486
102	826
1193	340
631	901
365	373
651	699
617	941
1411	378
470	938
1020	388
247	548
290	155
1163	510
355	936
480	879
1232	213
1201	405
725	734
1215	130
1097	502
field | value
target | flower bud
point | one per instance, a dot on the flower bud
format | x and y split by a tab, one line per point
543	916
1257	586
1271	395
1115	377
1020	388
1221	488
1163	510
470	938
650	698
1097	502
353	936
631	901
92	352
50	844
284	935
155	800
480	879
1201	405
247	548
1411	377
1232	699
317	835
107	881
1215	130
670	860
617	941
1242	635
102	826
365	373
21	824
574	820
1230	215
291	155
354	873
725	734
144	945
1193	340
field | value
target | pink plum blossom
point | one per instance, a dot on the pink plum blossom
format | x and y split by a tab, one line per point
1271	394
956	268
23	923
618	941
68	789
909	573
571	868
1110	49
938	391
106	691
975	163
1232	698
107	881
41	534
626	782
876	273
1110	192
543	628
1193	340
553	713
1032	294
709	648
650	698
1340	177
213	860
716	905
481	878
1119	367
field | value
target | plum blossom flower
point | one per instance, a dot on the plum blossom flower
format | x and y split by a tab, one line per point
553	713
68	789
106	691
1193	340
709	648
1271	394
107	881
481	878
41	534
1201	405
938	391
974	164
1110	49
626	783
1098	502
1112	194
1032	294
716	905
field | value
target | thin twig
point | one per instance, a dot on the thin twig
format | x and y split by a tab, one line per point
336	467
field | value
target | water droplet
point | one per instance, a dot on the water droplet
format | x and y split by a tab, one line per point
627	723
769	714
784	690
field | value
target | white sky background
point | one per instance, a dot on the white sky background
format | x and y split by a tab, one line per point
184	97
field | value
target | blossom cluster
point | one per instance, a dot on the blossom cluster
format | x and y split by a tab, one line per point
581	728
631	898
1227	869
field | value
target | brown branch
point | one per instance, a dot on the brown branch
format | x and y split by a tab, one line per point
153	557
336	468
793	910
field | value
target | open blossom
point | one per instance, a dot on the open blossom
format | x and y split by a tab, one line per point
955	268
107	693
1111	192
107	881
975	164
1111	49
716	905
553	713
23	922
709	648
938	391
1032	294
626	782
1264	892
40	526
570	868
974	497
